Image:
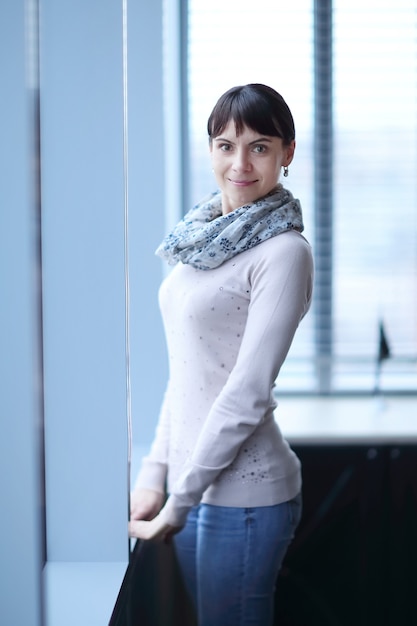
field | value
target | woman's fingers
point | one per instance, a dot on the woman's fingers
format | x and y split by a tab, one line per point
140	530
155	530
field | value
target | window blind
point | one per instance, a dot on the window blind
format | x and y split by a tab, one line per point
360	59
375	204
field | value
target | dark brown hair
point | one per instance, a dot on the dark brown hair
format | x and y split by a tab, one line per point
257	106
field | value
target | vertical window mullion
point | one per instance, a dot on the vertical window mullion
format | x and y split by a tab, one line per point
323	189
184	110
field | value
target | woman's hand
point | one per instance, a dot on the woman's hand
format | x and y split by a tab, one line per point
157	529
145	504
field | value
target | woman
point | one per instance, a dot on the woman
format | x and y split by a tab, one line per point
241	284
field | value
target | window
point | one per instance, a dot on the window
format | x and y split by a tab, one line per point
354	169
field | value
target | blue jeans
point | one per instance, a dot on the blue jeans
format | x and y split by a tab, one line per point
230	558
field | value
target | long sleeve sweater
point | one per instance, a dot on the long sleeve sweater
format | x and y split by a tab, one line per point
228	331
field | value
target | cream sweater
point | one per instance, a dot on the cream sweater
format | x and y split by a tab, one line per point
228	331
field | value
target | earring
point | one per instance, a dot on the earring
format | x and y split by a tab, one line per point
285	170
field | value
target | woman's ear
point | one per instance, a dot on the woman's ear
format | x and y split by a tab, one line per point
289	154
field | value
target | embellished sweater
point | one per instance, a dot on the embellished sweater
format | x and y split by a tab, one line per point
228	331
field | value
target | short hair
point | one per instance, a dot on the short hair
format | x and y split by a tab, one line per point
257	106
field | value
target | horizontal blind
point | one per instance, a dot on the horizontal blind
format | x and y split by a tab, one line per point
375	210
374	224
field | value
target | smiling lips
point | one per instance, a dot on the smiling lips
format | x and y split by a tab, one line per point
242	183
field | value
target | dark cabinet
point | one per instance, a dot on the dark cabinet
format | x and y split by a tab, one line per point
352	562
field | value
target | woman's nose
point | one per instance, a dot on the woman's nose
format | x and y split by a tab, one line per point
241	161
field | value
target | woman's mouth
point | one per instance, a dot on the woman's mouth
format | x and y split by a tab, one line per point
242	183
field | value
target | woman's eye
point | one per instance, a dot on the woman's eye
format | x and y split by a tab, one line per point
225	147
259	149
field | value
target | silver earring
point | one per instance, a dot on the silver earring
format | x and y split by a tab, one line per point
285	170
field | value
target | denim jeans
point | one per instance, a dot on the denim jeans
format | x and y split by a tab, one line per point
230	558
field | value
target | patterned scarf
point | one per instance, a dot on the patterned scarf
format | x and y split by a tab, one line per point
205	238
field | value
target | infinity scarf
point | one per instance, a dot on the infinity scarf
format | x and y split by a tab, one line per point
205	238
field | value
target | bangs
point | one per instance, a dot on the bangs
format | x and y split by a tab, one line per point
251	108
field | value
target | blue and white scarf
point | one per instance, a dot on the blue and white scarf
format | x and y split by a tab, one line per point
205	238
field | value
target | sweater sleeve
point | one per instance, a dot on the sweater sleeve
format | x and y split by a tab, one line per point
153	471
281	289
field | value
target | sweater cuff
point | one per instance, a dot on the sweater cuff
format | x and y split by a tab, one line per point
152	475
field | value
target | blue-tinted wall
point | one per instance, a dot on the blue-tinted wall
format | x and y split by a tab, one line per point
20	529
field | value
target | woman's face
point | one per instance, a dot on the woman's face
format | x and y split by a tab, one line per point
247	166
